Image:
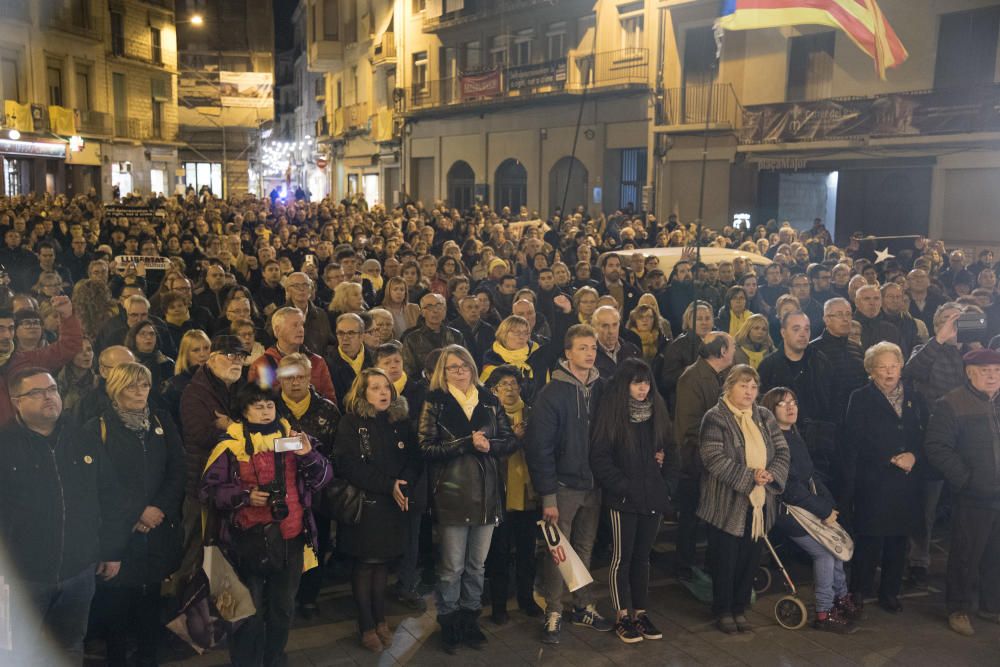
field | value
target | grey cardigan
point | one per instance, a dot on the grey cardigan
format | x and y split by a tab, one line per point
727	481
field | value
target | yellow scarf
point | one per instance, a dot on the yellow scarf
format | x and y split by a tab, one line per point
467	401
753	357
736	321
375	280
400	383
355	364
583	320
298	408
518	481
756	457
518	358
650	343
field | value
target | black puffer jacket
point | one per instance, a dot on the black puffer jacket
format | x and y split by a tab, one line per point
847	370
680	353
466	486
139	472
630	477
320	420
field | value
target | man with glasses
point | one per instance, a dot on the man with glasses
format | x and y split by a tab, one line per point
52	357
288	324
50	491
845	357
205	413
479	335
299	293
350	356
430	334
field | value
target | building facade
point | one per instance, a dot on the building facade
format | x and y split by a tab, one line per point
90	87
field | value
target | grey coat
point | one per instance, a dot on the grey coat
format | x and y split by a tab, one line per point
727	481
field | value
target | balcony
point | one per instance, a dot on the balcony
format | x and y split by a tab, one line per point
623	68
14	10
322	127
477	10
915	114
94	123
136	50
694	106
77	22
383	51
324	54
133	128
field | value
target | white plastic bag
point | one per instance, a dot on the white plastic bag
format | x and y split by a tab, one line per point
571	567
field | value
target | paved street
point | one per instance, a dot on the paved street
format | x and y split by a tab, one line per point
918	636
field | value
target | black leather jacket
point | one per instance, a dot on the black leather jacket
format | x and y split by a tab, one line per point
467	488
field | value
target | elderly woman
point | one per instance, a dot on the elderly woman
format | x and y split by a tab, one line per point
734	314
464	435
144	343
512	345
644	321
347	298
885	426
753	341
745	460
585	303
683	351
141	536
376	451
381	329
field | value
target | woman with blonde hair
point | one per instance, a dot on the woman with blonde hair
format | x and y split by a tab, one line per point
753	341
93	305
347	298
375	450
195	347
512	345
464	434
643	322
396	300
585	303
649	299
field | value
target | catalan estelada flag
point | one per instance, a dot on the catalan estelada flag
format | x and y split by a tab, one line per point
862	20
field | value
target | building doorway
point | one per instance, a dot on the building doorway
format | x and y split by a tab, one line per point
568	184
461	185
511	185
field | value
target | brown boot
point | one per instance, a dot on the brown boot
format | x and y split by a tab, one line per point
384	633
370	640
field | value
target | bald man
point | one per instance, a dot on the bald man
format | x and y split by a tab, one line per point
93	403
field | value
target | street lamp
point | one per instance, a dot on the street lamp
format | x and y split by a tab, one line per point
197	19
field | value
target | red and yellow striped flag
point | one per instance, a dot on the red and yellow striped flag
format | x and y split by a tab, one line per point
862	20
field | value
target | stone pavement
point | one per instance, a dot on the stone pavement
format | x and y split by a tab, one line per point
916	637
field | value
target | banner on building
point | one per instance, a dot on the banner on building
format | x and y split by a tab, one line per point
246	89
132	212
199	90
17	116
936	112
552	73
62	120
483	84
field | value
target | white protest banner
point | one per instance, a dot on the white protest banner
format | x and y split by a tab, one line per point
149	261
571	567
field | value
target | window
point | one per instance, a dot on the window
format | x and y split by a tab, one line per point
201	174
633	177
53	75
632	19
331	20
157	120
810	67
12	176
471	57
156	45
82	87
120	94
586	29
10	77
498	50
117	34
355	85
522	46
420	70
555	37
319	88
419	5
967	48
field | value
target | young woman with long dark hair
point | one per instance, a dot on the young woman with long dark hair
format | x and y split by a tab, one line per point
629	442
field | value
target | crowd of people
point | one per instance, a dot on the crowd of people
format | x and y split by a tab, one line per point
189	371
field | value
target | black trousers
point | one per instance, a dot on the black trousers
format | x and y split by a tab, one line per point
632	538
869	553
688	490
518	532
127	610
733	561
261	639
973	559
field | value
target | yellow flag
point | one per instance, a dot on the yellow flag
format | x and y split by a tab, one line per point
62	120
18	116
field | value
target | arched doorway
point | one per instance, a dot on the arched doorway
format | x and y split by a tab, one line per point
511	185
568	171
461	185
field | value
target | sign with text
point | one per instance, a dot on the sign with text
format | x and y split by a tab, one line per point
151	262
537	75
246	89
484	84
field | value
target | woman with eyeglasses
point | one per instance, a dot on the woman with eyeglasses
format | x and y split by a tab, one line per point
141	535
28	332
885	426
835	610
464	434
144	343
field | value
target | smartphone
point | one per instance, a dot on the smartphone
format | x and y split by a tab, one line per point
287	444
970	326
310	259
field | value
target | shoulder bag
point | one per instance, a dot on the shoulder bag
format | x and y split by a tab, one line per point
342	500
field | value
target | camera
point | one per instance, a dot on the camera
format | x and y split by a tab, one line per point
970	327
276	500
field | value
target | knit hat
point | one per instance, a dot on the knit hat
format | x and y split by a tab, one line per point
495	262
983	357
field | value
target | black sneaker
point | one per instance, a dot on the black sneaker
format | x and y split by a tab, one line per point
627	631
833	622
589	617
472	634
552	628
848	608
646	627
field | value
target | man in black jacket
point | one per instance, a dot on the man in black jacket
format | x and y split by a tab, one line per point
557	451
868	313
50	521
349	358
963	442
431	334
611	348
847	359
479	335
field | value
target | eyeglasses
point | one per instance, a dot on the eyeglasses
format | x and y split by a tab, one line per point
234	357
52	390
296	378
29	323
348	334
457	368
789	403
298	286
433	306
839	316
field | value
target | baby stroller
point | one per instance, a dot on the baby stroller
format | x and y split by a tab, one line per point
789	610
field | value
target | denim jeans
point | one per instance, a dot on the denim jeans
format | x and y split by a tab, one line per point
828	572
48	621
920	541
462	567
